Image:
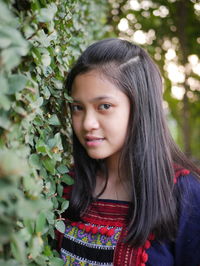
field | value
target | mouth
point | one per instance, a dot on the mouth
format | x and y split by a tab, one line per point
93	141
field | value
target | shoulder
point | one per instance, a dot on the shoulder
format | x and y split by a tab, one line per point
188	199
187	243
188	194
188	187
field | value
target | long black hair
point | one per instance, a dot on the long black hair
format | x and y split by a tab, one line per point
149	153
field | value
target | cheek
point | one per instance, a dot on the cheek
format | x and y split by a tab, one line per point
122	118
117	128
123	123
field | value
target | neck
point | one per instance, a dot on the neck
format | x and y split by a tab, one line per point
112	164
117	186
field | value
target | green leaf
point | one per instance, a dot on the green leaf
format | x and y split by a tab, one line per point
36	246
9	35
32	186
18	167
55	142
68	180
41	260
44	41
53	120
16	83
4	84
46	59
18	249
5	41
37	103
58	84
64	205
29	225
47	14
4	120
44	175
40	223
6	16
11	262
60	226
49	164
56	262
41	147
10	58
5	104
60	190
50	217
52	231
19	110
62	169
46	92
47	251
24	206
34	160
25	234
55	202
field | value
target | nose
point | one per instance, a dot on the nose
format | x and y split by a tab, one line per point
90	121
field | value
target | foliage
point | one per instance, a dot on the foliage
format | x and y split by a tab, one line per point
39	40
166	26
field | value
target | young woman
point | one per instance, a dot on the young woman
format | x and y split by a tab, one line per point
135	198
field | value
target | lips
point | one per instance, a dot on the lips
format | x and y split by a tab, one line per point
93	138
93	141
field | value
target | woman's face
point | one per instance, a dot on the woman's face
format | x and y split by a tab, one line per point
100	115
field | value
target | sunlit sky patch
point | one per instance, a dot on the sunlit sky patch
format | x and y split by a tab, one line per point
162	12
123	24
193	59
171	54
134	4
140	37
197	6
178	92
193	83
175	73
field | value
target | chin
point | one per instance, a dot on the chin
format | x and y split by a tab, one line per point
97	156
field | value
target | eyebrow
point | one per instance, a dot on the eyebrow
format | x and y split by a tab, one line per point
99	98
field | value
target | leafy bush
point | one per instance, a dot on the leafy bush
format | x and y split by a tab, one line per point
39	40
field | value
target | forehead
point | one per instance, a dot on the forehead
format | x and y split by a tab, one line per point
94	84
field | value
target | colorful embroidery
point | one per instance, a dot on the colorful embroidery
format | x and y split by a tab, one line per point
74	260
101	244
89	239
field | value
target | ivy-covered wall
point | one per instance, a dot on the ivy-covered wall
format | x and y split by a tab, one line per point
39	40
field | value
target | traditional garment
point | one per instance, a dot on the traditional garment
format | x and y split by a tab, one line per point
97	239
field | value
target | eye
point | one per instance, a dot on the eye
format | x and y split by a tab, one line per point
76	107
104	106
